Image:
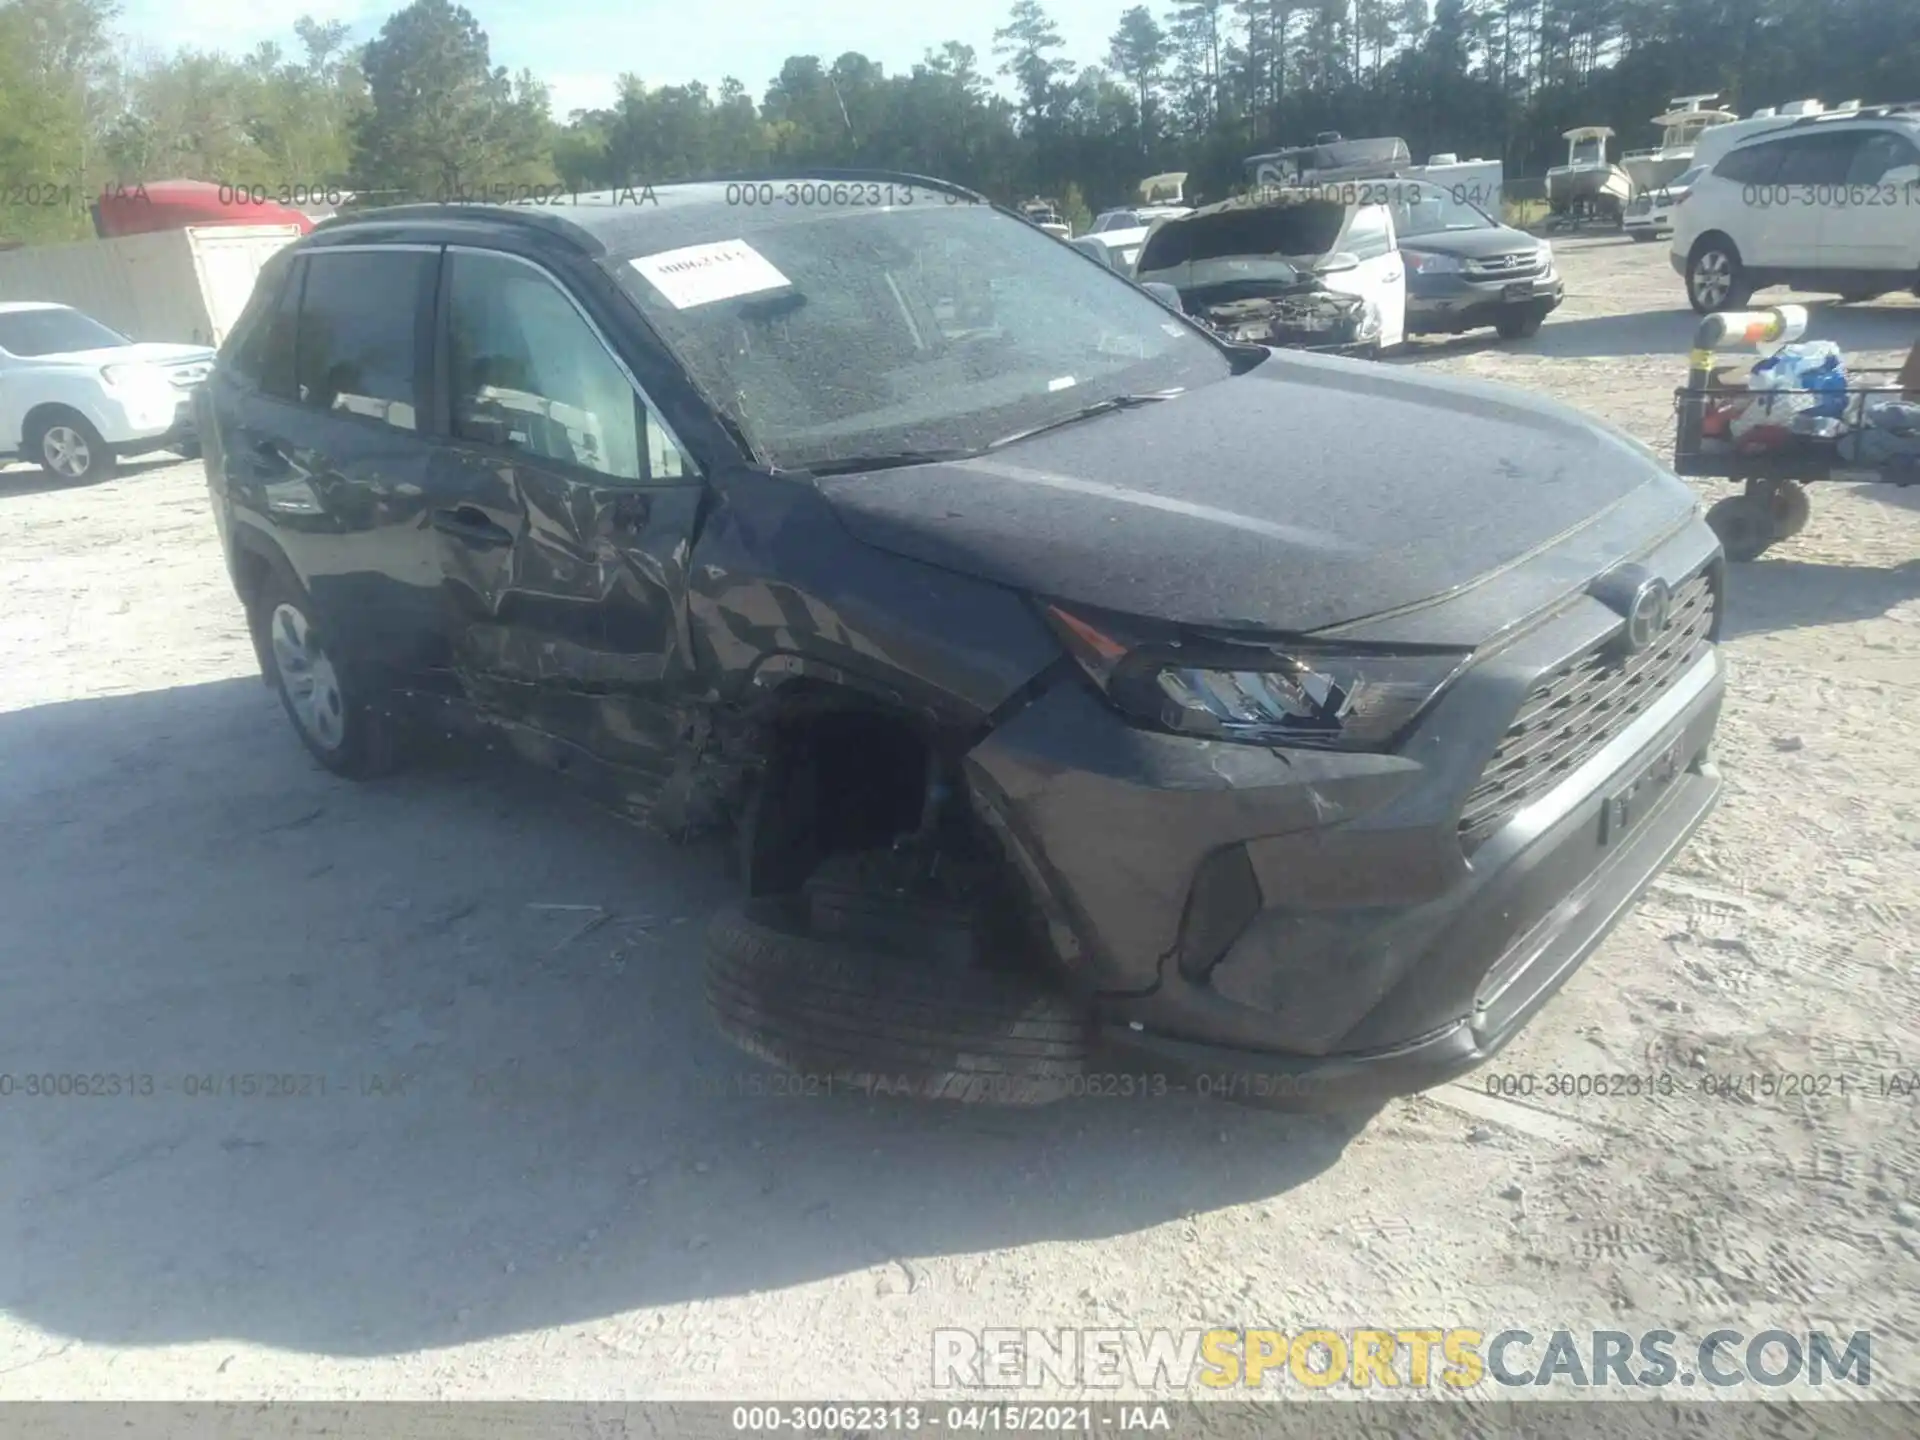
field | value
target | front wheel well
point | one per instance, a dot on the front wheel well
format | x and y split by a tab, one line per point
45	414
840	773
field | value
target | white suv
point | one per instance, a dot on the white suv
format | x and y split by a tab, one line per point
75	395
1829	203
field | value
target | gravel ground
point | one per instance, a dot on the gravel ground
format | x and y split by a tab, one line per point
536	1172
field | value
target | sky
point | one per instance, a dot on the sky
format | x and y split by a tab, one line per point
579	47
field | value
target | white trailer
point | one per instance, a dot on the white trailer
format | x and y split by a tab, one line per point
180	286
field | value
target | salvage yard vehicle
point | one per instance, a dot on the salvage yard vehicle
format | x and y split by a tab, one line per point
1082	695
1825	203
1465	269
1288	267
76	396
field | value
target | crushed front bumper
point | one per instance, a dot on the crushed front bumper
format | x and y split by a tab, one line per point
1310	929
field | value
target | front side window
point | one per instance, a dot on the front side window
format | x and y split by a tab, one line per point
1817	159
356	351
832	333
531	375
1370	235
54	330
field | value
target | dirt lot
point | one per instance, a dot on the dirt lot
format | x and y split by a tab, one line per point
535	1170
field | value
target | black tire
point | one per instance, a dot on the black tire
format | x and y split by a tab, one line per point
1716	280
1745	525
68	448
1520	324
365	744
868	1020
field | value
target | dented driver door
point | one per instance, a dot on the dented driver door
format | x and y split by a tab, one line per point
563	511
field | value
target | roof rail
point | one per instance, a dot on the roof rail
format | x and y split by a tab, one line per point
1864	112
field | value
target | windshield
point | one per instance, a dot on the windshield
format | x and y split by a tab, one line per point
831	333
1589	152
1686	178
1432	209
54	331
1117	220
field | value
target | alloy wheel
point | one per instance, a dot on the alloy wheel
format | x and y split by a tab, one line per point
1712	278
66	452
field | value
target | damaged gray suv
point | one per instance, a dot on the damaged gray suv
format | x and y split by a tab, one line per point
1091	704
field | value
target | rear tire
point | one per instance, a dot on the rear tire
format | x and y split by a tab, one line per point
885	1023
342	727
68	448
1716	280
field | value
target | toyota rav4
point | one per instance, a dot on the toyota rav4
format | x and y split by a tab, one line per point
1074	684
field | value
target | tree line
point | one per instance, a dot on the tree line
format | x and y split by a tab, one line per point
422	110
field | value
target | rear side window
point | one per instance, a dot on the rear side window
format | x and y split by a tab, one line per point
1879	152
1752	164
1817	159
357	345
261	354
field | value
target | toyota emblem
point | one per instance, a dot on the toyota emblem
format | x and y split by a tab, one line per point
1645	601
1647	614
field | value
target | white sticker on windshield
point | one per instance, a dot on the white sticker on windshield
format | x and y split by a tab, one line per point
701	274
1065	382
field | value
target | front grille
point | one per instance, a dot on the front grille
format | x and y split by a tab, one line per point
1575	710
1525	262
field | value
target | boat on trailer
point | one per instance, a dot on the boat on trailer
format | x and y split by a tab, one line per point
1589	187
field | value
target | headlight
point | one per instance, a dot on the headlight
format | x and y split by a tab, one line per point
1284	693
133	377
1425	264
1546	253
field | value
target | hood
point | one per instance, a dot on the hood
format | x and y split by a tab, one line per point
1239	229
1473	244
1309	492
144	352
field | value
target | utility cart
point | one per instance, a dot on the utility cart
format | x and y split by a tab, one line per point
1839	444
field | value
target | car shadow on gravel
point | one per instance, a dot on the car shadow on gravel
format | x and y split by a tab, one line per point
23	480
372	1069
1775	593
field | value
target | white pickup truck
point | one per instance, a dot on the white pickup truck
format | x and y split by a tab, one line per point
75	396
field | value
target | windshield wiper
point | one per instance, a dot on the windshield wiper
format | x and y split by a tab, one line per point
1087	412
883	460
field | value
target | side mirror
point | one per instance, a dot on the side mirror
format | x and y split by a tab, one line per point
1166	294
1338	261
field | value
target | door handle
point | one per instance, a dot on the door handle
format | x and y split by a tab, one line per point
473	525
